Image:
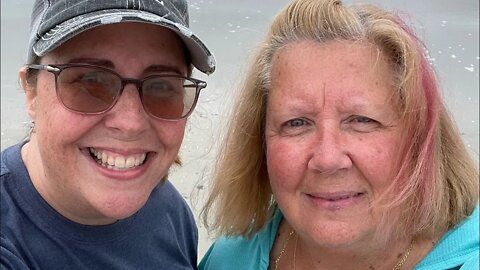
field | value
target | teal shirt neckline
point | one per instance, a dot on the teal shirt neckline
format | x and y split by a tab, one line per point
230	253
457	249
458	246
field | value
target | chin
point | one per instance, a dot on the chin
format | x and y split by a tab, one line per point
121	208
339	235
113	216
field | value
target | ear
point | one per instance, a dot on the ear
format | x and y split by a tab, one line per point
30	92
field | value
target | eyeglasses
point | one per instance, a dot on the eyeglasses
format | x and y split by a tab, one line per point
89	89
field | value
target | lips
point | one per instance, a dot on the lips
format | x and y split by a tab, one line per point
335	200
337	196
117	162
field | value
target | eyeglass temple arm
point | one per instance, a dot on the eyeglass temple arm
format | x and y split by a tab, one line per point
43	67
202	85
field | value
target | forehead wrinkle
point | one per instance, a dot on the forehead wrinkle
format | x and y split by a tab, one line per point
324	96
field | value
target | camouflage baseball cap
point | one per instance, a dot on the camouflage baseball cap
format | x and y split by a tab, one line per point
56	21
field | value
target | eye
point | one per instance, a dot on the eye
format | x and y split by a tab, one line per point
363	119
160	86
164	86
92	78
297	122
295	127
362	123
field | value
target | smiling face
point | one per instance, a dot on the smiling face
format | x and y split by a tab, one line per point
96	169
332	136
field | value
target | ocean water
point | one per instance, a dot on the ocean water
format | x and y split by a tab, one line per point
231	29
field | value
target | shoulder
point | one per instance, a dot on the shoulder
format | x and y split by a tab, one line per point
240	252
167	193
12	165
167	205
13	185
9	159
472	263
166	198
9	256
235	253
169	223
13	182
167	209
459	247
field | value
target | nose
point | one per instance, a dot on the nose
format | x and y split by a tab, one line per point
128	115
330	153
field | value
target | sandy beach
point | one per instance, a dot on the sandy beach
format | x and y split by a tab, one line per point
232	29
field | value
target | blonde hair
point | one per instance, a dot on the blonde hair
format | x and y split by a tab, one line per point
437	184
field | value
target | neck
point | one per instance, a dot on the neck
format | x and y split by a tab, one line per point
362	256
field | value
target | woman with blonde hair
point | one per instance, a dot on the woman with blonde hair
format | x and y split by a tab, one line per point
341	153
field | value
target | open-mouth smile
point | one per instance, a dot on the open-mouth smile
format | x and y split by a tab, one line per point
117	162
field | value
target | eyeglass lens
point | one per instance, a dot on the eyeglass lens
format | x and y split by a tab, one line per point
94	90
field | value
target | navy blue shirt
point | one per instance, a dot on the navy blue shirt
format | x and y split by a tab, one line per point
161	235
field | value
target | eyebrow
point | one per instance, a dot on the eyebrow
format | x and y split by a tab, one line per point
109	64
93	61
162	68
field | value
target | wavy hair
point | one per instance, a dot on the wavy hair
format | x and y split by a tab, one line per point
437	183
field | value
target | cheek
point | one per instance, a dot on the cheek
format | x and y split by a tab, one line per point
170	134
46	93
58	133
379	161
49	111
285	163
56	125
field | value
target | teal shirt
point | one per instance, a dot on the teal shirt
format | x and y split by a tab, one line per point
458	249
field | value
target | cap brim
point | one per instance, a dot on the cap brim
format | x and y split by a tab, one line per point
201	57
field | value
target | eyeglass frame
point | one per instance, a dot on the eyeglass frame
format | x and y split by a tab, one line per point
57	69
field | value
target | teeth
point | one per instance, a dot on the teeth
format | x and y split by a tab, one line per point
104	157
117	162
110	160
130	162
120	162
